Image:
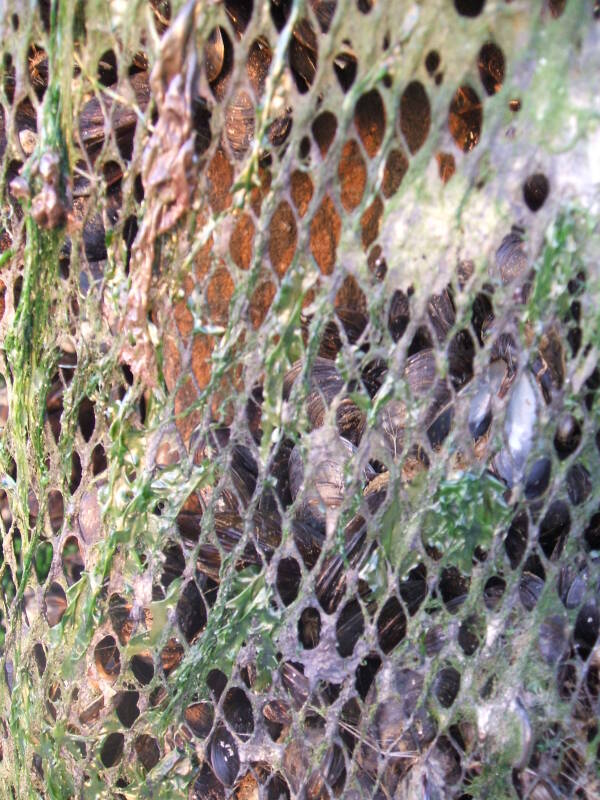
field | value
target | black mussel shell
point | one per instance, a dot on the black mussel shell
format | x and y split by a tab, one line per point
224	756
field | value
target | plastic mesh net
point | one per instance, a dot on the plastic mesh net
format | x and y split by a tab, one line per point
300	432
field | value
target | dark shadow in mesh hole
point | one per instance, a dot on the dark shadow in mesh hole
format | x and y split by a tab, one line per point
415	115
107	658
289	577
72	561
369	120
280	11
99	462
86	418
55	604
142	667
323	129
469	8
40	658
432	61
535	191
491	67
112	749
126	707
240	13
592	532
107	68
75	472
216	682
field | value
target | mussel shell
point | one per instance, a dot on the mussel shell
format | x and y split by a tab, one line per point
123	119
257	66
324	11
309	537
239	123
206	786
399	730
330	584
567	437
461	354
200	718
446	686
295	682
238	713
579	484
329	456
296	764
398	315
572	585
239	12
376	491
486	387
324	377
214	55
553	638
224	756
277	718
229	529
353	321
538	478
443	764
333	766
421	375
519	427
325	385
349	627
441	313
511	261
530	589
244	472
303	54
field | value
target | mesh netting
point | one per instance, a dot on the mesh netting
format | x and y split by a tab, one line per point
300	417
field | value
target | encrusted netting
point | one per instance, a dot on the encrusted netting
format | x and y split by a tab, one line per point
300	416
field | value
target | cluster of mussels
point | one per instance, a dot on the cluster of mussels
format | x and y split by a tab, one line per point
308	483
